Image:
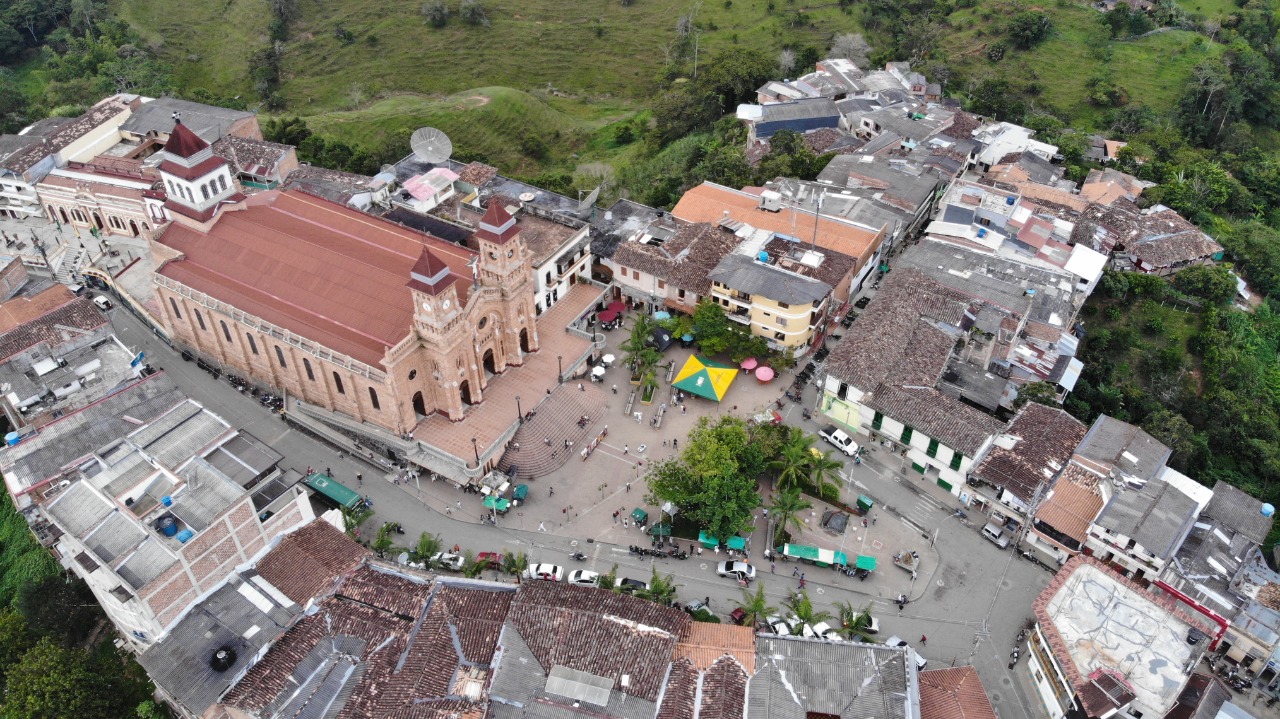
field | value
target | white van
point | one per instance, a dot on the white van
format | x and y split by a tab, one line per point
996	535
103	303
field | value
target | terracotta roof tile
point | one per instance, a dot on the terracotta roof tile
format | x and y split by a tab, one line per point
45	317
724	691
1073	503
183	142
331	274
704	643
954	693
309	560
940	416
477	174
1047	436
680	697
684	260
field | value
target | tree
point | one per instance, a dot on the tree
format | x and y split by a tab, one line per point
286	130
852	620
54	682
787	507
786	62
12	44
382	543
638	354
661	589
713	331
802	609
852	46
472	13
59	607
824	475
792	463
609	580
1041	392
996	98
1213	283
755	606
15	639
436	13
714	479
1027	29
428	546
472	566
515	562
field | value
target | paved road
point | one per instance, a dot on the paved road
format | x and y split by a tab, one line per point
970	608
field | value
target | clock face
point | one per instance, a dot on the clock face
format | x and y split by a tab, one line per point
510	253
426	306
446	304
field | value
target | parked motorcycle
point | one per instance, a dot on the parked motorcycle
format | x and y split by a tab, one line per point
579	556
806	413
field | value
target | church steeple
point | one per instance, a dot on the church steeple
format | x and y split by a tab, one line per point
196	180
501	250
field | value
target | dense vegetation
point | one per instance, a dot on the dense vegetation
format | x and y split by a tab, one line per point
57	659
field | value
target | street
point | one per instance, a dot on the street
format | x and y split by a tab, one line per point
970	605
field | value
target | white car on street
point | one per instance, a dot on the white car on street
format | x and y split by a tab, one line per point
584	578
548	572
737	570
448	560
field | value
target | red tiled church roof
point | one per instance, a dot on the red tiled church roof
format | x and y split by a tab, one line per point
328	273
183	142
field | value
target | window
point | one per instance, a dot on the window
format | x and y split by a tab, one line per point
337	383
373	398
222	182
174	304
548	282
932	451
843	391
877	421
783	306
306	365
413	374
782	321
200	319
252	345
779	336
280	356
662	285
956	459
680	294
225	332
172	189
204	191
907	431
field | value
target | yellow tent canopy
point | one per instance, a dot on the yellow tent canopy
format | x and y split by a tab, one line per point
705	378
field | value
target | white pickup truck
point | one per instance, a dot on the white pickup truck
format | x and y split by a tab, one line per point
839	439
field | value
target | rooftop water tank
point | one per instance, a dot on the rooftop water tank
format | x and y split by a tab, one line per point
185	535
12	438
1268	510
168	526
982	232
166	501
1010	200
763	256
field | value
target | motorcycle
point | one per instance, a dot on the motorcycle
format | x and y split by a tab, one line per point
793	397
634	549
806	413
579	556
1013	658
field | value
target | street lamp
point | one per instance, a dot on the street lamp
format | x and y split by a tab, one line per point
519	413
476	450
560	363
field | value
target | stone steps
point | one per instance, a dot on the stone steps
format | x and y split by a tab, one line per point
556	420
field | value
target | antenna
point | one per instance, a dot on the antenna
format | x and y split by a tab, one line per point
431	145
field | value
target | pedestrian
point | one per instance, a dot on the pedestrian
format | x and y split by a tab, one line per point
581	388
551	491
717	548
873	520
772	566
546	441
795	571
923	640
802	581
681	408
628	486
308	471
666	443
459	504
699	550
615	389
448	510
615	517
707	601
359	480
675	443
328	472
766	512
542	526
566	444
864	521
626	449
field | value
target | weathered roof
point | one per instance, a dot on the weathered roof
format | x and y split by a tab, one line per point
326	272
954	693
1122	449
333	185
746	274
1201	698
254	157
940	416
703	643
1165	238
1239	511
25	154
685	260
804	109
796	677
1072	504
307	561
1157	516
53	315
207	121
1046	437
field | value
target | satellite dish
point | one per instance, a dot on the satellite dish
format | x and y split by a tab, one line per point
403	558
431	145
585	207
527	197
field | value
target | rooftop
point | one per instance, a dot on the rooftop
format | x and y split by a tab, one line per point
308	561
748	274
330	274
1239	511
939	416
1096	621
798	677
53	379
955	693
1157	516
1201	698
1124	451
542	236
252	157
686	259
623	220
1042	440
23	154
53	317
209	122
332	185
1165	238
1072	504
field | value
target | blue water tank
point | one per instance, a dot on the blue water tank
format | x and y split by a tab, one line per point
763	256
982	232
1268	510
185	535
166	501
168	526
12	438
1010	200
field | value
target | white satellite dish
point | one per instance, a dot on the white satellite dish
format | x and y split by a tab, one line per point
431	145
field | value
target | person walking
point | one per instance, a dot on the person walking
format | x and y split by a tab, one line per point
615	389
626	449
675	444
551	491
924	640
795	572
542	526
359	480
772	566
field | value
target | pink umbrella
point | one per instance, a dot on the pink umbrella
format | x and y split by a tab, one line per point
749	363
608	316
616	306
764	374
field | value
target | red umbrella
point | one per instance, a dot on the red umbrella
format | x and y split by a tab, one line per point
608	316
616	306
764	374
749	363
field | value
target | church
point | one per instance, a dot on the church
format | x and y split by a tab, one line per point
340	309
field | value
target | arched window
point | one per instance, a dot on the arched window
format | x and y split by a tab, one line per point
225	332
174	304
222	182
306	365
172	189
200	320
253	346
337	382
373	398
280	356
204	190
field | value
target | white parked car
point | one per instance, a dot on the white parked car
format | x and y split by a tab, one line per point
448	560
548	572
920	661
584	578
737	570
822	630
778	625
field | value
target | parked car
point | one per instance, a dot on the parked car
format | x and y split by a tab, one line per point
448	560
584	578
839	439
995	534
103	303
873	627
693	605
920	661
738	616
778	625
737	570
489	560
630	585
827	632
548	572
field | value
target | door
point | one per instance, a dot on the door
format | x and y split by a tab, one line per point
419	405
465	390
524	341
490	368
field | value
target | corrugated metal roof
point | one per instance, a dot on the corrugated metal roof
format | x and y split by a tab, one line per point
147	562
78	509
115	536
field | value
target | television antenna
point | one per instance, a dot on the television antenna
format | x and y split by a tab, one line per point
431	145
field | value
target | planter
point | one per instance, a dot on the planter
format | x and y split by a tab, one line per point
635	380
649	392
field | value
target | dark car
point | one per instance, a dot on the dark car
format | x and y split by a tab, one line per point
628	585
862	302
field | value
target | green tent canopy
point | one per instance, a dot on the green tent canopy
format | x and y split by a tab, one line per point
865	562
660	530
497	503
704	378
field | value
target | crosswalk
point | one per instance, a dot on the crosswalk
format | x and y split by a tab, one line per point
924	514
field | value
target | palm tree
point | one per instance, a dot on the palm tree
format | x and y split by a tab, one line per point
792	462
824	472
853	620
661	589
803	611
787	506
639	356
428	546
515	563
756	606
471	566
610	580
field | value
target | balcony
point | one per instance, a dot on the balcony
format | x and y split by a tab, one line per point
733	295
742	315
